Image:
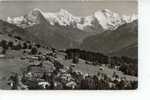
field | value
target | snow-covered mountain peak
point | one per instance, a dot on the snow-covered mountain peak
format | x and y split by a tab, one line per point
34	15
106	10
106	13
112	20
36	11
108	19
134	17
63	17
105	18
129	19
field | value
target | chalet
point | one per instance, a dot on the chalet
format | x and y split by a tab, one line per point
37	71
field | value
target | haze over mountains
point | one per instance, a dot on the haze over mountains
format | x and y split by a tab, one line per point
104	31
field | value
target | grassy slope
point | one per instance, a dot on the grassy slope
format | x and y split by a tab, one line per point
92	70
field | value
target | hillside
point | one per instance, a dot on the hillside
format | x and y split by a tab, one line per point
130	51
45	36
19	60
113	41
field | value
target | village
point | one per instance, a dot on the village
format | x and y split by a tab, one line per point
52	69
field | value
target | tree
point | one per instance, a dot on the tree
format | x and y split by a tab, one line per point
3	43
4	51
38	45
10	44
18	37
24	45
4	46
75	60
34	51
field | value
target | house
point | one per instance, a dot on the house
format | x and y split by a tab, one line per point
37	71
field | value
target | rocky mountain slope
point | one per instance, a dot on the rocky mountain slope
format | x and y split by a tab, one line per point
110	42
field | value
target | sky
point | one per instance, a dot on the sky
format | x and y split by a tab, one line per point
11	8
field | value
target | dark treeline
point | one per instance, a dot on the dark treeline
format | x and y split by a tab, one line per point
86	55
126	65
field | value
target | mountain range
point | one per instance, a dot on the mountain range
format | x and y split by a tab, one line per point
103	31
105	19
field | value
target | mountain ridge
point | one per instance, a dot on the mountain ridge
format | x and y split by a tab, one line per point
106	19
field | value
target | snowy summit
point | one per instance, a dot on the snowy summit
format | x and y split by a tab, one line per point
107	19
